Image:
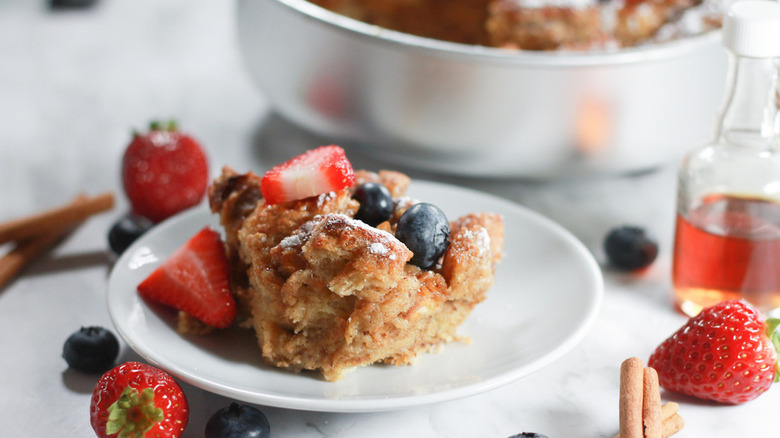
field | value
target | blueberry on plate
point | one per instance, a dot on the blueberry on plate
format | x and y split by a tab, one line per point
424	229
126	230
238	421
91	349
629	248
376	203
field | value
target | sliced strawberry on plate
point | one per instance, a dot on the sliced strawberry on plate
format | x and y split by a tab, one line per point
194	279
312	173
136	400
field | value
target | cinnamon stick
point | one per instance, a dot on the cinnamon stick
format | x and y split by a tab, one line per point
651	404
669	425
630	403
672	425
37	233
55	219
25	252
668	409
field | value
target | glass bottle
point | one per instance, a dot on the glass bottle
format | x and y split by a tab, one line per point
727	236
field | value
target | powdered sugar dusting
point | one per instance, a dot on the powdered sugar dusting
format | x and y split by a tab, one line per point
691	21
291	241
384	240
378	248
480	237
297	238
694	21
404	202
556	3
325	197
381	244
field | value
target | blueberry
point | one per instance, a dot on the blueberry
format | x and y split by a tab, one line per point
62	4
91	350
528	435
629	248
126	230
376	203
238	421
424	229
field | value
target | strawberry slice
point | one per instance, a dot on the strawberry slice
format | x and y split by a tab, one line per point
312	173
194	279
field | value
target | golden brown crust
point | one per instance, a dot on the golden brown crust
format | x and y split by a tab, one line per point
548	28
396	182
639	21
460	21
234	197
476	241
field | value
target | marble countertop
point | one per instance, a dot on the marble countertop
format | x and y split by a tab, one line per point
74	83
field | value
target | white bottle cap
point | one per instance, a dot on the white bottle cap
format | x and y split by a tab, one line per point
752	28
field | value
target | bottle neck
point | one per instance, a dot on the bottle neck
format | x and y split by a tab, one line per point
751	112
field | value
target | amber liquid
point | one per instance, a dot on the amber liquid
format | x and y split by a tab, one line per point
729	247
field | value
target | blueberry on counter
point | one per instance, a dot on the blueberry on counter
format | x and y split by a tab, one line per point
629	248
376	203
126	230
66	4
528	435
91	349
238	421
424	229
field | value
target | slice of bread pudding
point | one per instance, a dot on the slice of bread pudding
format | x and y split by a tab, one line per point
325	291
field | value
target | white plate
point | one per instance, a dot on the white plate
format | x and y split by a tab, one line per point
547	290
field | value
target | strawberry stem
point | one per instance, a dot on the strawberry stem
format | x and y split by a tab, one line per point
771	331
133	414
156	125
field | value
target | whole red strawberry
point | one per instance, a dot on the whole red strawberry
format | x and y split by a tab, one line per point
194	279
725	354
135	400
164	171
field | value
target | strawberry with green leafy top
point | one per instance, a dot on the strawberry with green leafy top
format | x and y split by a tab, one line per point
312	173
727	353
135	400
194	279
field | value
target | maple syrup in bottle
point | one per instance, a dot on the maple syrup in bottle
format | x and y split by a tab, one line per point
728	247
727	236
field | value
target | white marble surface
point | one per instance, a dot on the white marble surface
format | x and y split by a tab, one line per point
72	86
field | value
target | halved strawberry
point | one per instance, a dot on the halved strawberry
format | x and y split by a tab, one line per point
312	173
136	400
194	279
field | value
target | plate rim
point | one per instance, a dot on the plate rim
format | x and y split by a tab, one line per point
299	402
